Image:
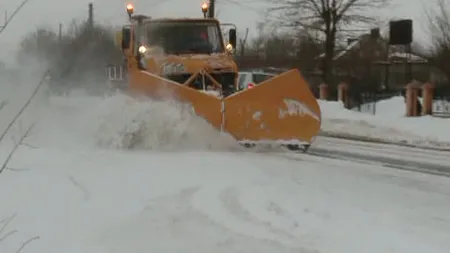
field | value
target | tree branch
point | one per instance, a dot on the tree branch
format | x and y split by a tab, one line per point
25	106
16	146
3	104
12	16
26	243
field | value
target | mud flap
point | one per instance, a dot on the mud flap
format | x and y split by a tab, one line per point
281	109
205	105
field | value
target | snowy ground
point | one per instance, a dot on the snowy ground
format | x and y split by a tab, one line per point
195	202
73	188
388	124
386	155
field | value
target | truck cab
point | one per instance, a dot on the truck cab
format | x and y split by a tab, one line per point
189	51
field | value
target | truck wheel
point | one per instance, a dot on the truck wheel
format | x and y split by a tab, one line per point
305	148
296	147
248	145
293	147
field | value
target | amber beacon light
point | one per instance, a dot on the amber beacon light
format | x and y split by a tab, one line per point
204	9
130	9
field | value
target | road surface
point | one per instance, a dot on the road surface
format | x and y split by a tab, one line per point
395	156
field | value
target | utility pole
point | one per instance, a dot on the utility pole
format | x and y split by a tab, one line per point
91	16
212	5
60	33
8	19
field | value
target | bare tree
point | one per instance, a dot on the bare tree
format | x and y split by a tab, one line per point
243	43
329	17
40	44
439	27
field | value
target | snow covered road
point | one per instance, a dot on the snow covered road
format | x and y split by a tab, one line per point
218	202
74	188
396	156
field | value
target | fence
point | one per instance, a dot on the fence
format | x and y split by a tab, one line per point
117	76
441	102
366	101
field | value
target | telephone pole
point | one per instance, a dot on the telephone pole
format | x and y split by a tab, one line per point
91	16
60	32
212	5
8	19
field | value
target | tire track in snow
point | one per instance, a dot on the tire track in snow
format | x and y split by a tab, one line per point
231	203
172	224
388	156
410	154
224	207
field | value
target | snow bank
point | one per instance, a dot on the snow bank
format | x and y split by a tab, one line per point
388	124
121	122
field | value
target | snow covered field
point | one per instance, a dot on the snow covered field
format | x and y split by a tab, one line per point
388	124
76	187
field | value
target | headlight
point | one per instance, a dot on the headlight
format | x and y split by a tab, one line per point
142	49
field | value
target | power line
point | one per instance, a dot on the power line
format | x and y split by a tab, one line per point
12	15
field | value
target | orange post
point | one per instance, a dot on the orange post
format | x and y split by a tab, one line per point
343	94
323	91
412	92
427	93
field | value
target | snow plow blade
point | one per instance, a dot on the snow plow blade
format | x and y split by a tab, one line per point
205	105
281	110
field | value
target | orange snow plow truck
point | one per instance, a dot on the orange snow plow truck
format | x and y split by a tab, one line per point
187	59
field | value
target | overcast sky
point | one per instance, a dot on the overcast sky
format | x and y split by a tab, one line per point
243	13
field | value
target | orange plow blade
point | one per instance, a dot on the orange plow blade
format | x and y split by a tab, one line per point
205	105
281	109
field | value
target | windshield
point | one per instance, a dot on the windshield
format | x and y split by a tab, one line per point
259	78
177	37
242	81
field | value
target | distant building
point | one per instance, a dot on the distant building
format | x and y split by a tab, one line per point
365	61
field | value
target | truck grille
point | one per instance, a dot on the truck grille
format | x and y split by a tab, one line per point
226	79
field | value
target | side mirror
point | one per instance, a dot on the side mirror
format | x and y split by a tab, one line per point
118	39
232	37
126	37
